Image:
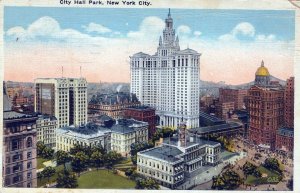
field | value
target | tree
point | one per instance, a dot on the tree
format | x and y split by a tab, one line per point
79	162
229	180
129	172
99	148
250	169
133	159
62	157
136	147
39	175
76	148
40	146
44	151
66	179
273	164
96	159
48	172
148	183
47	153
112	157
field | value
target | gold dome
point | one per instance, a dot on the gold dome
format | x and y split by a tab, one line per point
262	70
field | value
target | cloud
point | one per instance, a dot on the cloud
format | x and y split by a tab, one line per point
98	28
150	27
264	38
244	28
97	54
197	33
183	29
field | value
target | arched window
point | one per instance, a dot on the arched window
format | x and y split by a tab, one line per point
29	142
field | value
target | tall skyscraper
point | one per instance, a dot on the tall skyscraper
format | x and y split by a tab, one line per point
19	147
168	80
265	105
64	98
289	102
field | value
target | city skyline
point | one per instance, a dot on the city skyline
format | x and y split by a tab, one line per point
237	39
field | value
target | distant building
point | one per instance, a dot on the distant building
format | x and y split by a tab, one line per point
46	130
285	140
244	118
85	135
19	147
112	105
262	76
233	95
289	102
209	120
117	136
177	158
224	110
266	109
20	100
168	80
64	98
126	132
143	113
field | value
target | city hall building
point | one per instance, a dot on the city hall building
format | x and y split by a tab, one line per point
177	158
168	80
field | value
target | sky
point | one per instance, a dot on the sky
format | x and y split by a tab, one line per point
39	41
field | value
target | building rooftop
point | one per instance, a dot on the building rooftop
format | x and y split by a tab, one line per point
167	153
216	128
114	98
207	119
52	118
187	51
141	108
285	131
174	142
91	129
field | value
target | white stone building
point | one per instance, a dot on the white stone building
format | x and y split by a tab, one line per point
168	80
86	135
64	98
177	158
126	132
116	137
46	130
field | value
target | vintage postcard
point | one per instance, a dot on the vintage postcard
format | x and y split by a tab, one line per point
149	95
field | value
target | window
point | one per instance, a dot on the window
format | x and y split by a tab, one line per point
7	170
16	179
17	157
29	165
16	168
29	175
15	144
29	142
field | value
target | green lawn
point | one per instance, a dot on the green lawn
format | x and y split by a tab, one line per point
272	178
40	162
105	180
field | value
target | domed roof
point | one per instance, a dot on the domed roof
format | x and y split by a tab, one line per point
262	70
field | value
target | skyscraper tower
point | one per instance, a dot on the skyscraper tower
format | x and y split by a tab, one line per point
266	107
64	98
168	80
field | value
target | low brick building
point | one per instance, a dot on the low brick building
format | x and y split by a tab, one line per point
142	113
285	140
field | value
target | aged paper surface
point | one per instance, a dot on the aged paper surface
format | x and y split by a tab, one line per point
113	47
